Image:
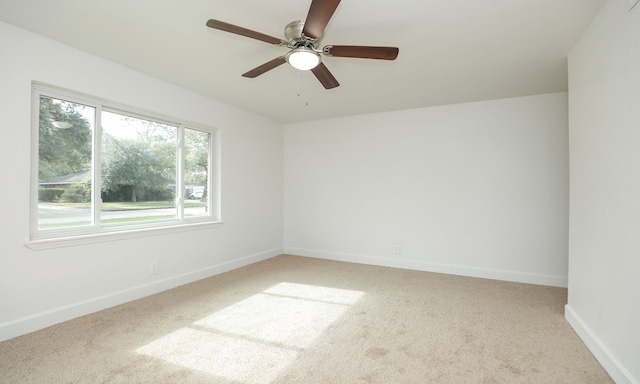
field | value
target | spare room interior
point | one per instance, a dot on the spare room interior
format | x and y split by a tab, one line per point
495	140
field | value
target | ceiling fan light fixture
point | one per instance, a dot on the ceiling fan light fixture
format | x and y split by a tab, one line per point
303	58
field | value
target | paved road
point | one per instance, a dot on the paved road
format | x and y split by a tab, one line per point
54	214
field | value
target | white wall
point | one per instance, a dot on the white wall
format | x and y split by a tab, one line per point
604	257
477	189
39	288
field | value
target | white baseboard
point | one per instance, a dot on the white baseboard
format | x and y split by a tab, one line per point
611	364
54	316
485	273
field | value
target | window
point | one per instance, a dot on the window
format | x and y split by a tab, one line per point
102	168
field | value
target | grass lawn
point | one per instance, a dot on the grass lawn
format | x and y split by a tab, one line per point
121	206
128	205
105	221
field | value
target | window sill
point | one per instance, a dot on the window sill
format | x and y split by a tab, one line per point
70	241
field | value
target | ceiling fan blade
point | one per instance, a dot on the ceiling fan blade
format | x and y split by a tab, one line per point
257	71
320	13
361	52
221	25
325	77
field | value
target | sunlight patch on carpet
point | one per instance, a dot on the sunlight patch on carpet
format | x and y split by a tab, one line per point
223	356
314	292
255	339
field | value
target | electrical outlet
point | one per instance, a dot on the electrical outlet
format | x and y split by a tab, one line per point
396	249
155	267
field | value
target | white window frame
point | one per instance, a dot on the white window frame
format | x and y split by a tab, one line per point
54	238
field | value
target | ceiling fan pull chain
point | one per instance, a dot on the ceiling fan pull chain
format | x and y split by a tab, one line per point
300	85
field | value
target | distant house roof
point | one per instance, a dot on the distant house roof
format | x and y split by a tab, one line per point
68	179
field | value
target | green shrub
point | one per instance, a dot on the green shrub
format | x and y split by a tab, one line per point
50	194
77	193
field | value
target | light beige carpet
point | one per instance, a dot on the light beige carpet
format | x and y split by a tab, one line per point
301	320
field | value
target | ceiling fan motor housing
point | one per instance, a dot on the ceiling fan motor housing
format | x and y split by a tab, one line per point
295	38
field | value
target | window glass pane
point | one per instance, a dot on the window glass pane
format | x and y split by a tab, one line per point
196	173
65	140
142	163
138	170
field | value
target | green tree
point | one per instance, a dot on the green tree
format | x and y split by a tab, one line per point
142	165
67	150
197	159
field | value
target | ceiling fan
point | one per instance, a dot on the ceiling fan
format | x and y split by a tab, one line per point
303	40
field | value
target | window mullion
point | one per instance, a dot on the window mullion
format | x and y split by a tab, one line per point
180	188
96	198
214	176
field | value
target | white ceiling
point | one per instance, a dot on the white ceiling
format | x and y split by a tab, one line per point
451	51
